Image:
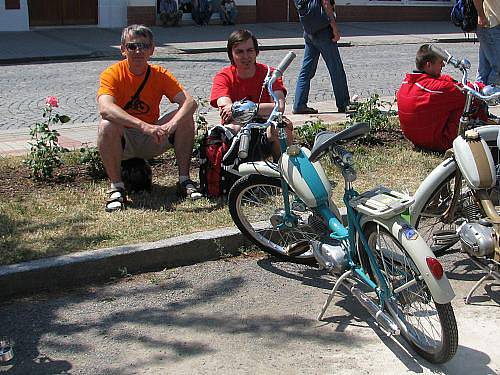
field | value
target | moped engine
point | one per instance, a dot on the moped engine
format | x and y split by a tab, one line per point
330	256
477	240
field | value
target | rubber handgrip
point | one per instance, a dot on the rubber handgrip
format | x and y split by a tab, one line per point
244	143
287	60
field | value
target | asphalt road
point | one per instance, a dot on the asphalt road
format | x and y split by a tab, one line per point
235	316
370	69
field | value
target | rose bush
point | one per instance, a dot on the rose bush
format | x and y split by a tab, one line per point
45	152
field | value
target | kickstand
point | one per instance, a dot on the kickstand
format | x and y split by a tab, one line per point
332	293
492	274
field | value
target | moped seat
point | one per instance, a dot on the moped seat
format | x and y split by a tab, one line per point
326	139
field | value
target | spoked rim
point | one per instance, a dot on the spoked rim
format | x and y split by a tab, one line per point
430	221
411	305
261	212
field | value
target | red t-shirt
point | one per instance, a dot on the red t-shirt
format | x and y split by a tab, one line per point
227	83
429	110
118	82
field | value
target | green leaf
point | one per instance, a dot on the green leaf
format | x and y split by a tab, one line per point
64	119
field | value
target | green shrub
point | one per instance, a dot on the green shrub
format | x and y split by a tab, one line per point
306	133
369	111
90	158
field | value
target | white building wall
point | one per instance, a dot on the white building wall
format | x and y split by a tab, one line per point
113	13
14	19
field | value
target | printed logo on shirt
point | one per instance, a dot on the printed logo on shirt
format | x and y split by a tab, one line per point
137	107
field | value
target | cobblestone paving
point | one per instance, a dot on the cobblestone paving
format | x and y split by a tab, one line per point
370	69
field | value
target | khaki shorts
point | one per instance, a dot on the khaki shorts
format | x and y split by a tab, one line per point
139	145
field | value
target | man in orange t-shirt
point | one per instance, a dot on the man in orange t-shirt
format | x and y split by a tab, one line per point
131	127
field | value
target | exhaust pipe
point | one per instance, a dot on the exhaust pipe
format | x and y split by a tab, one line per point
380	316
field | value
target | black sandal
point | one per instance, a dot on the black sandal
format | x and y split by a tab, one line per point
117	199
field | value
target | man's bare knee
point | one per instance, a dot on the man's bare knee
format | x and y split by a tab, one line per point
109	132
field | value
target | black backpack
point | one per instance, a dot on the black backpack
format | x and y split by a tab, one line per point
312	16
137	175
464	15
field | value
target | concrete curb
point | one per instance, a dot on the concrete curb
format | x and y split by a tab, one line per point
97	265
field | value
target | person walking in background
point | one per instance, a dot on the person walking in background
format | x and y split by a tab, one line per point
201	11
488	33
228	12
321	35
169	14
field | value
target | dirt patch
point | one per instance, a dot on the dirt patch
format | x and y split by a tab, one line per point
17	180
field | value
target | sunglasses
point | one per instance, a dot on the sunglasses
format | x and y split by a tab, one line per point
135	46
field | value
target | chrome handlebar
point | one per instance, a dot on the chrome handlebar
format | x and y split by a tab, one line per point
245	132
464	65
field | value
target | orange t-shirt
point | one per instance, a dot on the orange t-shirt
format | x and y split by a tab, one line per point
118	82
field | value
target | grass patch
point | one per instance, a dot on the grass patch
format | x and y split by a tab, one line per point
67	215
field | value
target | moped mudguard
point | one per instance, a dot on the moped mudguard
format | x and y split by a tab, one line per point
259	167
417	249
429	186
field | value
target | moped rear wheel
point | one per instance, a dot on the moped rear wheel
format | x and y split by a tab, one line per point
429	327
257	207
436	225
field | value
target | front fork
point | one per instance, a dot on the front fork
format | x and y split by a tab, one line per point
289	219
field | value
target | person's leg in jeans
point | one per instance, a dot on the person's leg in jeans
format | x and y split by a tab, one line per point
307	72
489	39
484	67
330	53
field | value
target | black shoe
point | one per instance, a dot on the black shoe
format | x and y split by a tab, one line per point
305	111
348	109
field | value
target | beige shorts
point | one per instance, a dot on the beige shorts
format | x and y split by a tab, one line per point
139	145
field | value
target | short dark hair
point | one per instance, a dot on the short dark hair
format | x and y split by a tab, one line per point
424	55
136	30
239	36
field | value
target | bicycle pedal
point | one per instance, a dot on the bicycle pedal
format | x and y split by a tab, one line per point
298	248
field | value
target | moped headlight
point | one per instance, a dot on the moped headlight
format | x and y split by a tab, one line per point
243	111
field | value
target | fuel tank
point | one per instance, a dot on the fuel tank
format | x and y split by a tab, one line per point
308	180
475	161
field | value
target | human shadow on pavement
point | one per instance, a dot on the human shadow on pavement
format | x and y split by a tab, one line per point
172	317
464	269
352	314
84	322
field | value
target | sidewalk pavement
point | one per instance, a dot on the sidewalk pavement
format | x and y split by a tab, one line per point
46	44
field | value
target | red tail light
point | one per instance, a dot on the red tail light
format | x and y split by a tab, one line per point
435	267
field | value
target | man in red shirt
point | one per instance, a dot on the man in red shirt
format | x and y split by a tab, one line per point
430	104
243	80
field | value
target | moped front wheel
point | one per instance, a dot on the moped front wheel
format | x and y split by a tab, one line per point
256	205
429	327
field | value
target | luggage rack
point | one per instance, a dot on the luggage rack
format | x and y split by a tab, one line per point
381	202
